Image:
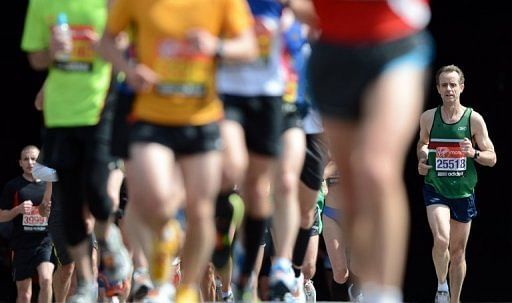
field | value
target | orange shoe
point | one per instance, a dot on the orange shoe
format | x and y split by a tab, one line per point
187	294
164	250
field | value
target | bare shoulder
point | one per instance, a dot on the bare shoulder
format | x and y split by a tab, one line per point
477	123
476	117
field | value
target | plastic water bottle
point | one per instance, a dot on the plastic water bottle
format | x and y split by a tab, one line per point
63	33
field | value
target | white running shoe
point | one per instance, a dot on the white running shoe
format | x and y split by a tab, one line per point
229	297
442	297
282	280
44	173
115	262
299	295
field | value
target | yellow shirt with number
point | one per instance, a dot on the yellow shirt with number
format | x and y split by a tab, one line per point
185	94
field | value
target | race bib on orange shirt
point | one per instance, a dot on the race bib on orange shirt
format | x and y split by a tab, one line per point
183	71
82	54
34	221
450	161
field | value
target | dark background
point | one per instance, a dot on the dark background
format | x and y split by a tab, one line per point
475	36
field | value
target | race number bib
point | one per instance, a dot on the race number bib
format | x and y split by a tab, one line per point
450	161
34	221
82	55
183	71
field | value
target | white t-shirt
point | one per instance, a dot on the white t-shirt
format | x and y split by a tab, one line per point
265	76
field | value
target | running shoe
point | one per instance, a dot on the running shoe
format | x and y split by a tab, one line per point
442	297
229	297
115	262
282	280
112	288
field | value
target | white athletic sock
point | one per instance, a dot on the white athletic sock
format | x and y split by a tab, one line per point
282	262
375	293
442	286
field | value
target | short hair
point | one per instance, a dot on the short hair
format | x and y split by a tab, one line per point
448	69
26	148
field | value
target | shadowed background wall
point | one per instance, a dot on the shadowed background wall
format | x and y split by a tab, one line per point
475	36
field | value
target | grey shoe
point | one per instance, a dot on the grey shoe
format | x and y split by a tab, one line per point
44	173
85	293
442	296
116	263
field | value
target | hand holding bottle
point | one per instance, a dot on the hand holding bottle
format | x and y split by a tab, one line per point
61	42
25	208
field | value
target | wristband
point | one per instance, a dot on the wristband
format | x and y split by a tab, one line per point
477	154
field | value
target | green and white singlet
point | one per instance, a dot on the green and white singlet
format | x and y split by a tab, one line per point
453	175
